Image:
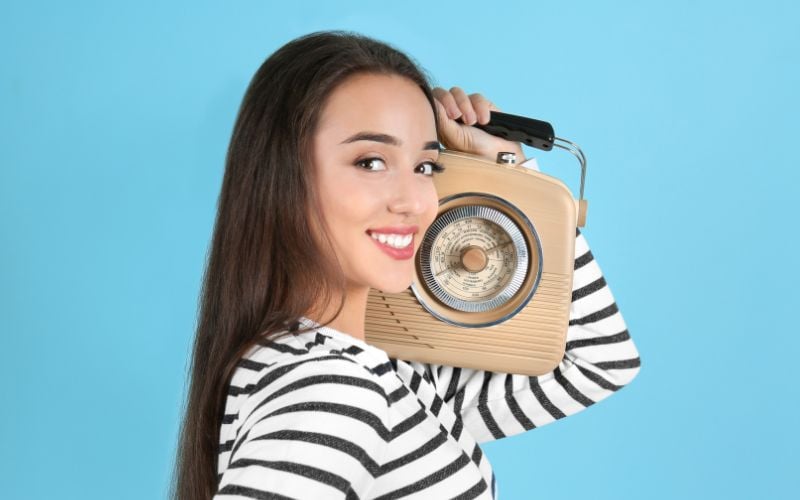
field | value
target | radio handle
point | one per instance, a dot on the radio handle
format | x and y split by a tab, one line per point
535	133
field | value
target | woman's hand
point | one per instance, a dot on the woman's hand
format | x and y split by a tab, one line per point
473	108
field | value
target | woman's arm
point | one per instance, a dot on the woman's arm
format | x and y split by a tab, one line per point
600	358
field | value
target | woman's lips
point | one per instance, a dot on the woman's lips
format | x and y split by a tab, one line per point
394	230
395	253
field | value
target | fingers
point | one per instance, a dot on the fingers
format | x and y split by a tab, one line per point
482	107
457	103
452	134
448	102
446	126
473	108
464	104
454	103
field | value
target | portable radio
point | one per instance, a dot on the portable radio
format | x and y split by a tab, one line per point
493	281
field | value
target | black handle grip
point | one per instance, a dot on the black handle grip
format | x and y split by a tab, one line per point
534	133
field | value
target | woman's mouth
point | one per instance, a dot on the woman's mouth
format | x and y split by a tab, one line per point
396	245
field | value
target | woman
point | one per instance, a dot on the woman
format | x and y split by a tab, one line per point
327	191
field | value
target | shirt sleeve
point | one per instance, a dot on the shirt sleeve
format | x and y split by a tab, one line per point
316	428
599	359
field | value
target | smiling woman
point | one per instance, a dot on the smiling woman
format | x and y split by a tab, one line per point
327	191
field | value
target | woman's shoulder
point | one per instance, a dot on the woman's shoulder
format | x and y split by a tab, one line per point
294	377
321	350
311	373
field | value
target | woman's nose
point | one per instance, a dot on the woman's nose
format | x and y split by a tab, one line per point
408	195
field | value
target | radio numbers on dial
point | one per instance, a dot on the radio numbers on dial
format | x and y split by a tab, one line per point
473	259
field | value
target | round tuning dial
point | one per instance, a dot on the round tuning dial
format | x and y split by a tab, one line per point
474	258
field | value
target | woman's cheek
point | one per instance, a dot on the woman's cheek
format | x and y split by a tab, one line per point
433	206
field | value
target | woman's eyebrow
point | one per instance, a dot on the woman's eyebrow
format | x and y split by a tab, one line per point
386	139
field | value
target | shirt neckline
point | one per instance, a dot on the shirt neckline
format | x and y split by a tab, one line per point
344	338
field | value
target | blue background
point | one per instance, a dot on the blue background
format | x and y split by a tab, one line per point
114	120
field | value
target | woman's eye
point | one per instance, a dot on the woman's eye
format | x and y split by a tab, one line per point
431	167
370	164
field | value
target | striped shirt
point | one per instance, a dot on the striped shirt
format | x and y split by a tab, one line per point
325	415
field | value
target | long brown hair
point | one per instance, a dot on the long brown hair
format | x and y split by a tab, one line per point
266	267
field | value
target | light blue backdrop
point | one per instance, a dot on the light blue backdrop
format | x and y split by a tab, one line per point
114	120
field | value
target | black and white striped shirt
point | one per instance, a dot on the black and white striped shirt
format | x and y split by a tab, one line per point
325	415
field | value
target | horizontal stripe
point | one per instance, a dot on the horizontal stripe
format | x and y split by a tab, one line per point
408	424
516	410
458	426
285	348
303	470
453	386
329	441
382	368
398	394
597	379
544	400
319	339
353	349
596	341
238	391
615	365
596	316
249	364
226	446
473	492
483	408
592	287
416	378
446	471
477	454
243	491
314	380
354	412
281	370
583	260
433	444
571	389
436	406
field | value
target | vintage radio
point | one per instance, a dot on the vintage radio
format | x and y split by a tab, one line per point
493	281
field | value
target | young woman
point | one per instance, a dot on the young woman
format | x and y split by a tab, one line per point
331	164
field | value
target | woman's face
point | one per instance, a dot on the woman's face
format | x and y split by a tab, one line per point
374	153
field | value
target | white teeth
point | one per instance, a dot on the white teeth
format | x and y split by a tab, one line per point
393	240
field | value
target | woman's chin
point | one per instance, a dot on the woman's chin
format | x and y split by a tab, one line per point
394	287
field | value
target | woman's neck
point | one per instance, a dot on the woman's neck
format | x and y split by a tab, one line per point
352	317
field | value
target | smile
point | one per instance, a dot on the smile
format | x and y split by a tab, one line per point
396	246
393	240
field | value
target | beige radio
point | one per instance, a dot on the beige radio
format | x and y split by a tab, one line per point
493	281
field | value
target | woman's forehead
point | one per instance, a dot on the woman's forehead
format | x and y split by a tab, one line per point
387	104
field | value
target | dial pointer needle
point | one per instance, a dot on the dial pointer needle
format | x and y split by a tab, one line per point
444	271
